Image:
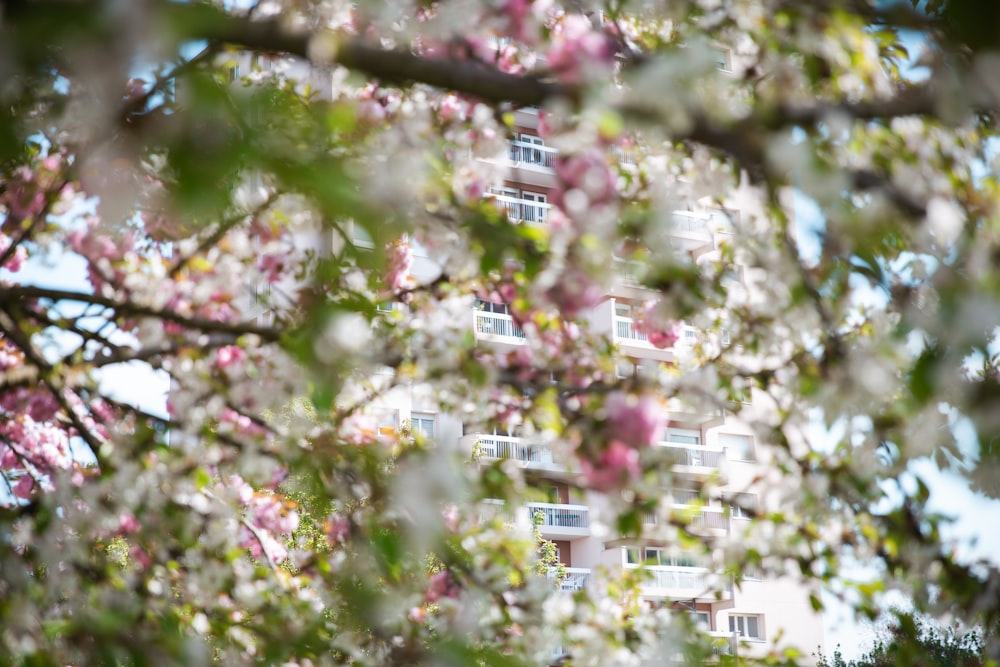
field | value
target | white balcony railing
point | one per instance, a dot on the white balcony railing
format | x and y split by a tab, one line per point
674	578
490	446
557	515
685	221
577	578
724	643
696	455
492	508
625	155
628	270
522	210
523	152
710	518
498	324
626	329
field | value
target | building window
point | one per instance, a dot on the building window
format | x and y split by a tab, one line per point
743	506
626	369
524	151
422	423
684	496
659	556
750	626
738	447
490	307
751	572
386	420
684	436
625	309
534	205
723	59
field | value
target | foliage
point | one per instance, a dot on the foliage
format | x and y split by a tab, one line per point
909	640
249	185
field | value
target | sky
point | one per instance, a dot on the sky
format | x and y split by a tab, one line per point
133	383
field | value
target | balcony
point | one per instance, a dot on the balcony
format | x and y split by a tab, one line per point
692	583
497	328
533	155
520	210
699	520
502	447
558	520
531	163
691	227
577	578
632	341
723	643
697	460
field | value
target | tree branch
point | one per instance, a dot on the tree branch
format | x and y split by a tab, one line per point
17	293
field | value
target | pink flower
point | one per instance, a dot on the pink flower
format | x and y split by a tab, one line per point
127	523
453	107
517	13
575	292
272	264
24	197
359	429
400	263
577	45
24	487
658	336
229	355
338	528
638	420
241	423
271	513
141	557
16	259
617	466
587	172
442	585
451	516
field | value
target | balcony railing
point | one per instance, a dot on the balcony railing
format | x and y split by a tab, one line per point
625	155
523	152
498	324
674	577
522	210
626	329
628	270
710	518
577	578
492	508
555	515
685	221
723	643
696	455
511	447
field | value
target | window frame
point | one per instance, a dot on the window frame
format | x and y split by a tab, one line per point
741	504
416	420
690	433
750	450
739	623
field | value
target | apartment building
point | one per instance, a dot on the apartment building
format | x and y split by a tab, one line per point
747	613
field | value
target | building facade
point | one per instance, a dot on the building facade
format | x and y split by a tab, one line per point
749	612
